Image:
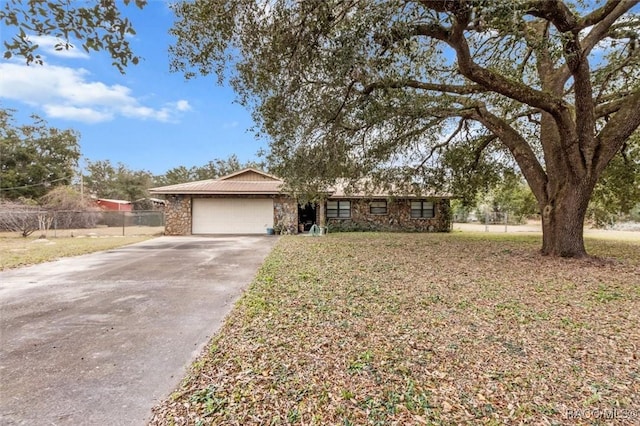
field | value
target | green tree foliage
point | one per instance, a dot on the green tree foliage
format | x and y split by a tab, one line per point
99	25
618	191
432	90
34	158
512	196
509	195
175	176
212	170
104	180
218	167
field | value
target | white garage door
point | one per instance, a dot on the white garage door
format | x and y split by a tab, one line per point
231	216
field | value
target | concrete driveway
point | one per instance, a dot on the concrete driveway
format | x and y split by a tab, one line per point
99	339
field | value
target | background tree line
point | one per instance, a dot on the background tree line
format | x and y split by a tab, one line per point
40	165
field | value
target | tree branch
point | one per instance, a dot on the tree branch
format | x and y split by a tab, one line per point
344	102
614	9
622	125
599	14
396	34
443	5
611	104
485	142
602	27
519	148
496	82
514	141
443	144
414	84
556	12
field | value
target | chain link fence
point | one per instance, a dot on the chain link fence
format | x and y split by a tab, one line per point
81	223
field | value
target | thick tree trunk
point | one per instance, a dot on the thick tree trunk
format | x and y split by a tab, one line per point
563	221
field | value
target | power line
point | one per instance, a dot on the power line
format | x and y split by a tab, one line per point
36	184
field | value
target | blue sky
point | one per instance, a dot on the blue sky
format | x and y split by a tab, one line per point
148	119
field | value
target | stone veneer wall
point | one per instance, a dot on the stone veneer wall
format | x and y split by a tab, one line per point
397	219
285	211
178	212
177	215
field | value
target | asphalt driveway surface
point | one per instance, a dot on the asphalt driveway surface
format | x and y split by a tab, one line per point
99	339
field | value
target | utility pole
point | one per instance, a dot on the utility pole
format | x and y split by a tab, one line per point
81	170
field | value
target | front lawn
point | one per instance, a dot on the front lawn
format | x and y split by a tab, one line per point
16	251
458	328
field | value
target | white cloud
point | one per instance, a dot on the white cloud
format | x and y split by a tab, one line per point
58	47
86	115
146	113
183	105
69	93
230	125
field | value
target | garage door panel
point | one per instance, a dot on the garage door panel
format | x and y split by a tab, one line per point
231	215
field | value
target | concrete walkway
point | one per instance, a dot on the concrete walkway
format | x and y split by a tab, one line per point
99	339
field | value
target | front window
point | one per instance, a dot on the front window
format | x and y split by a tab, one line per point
422	209
378	207
338	209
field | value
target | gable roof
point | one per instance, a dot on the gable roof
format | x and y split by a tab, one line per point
246	181
253	181
250	174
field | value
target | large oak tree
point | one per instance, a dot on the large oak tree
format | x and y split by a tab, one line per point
348	87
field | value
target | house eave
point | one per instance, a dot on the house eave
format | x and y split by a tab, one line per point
329	196
216	192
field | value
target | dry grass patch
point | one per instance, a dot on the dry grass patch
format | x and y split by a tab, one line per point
423	329
18	251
